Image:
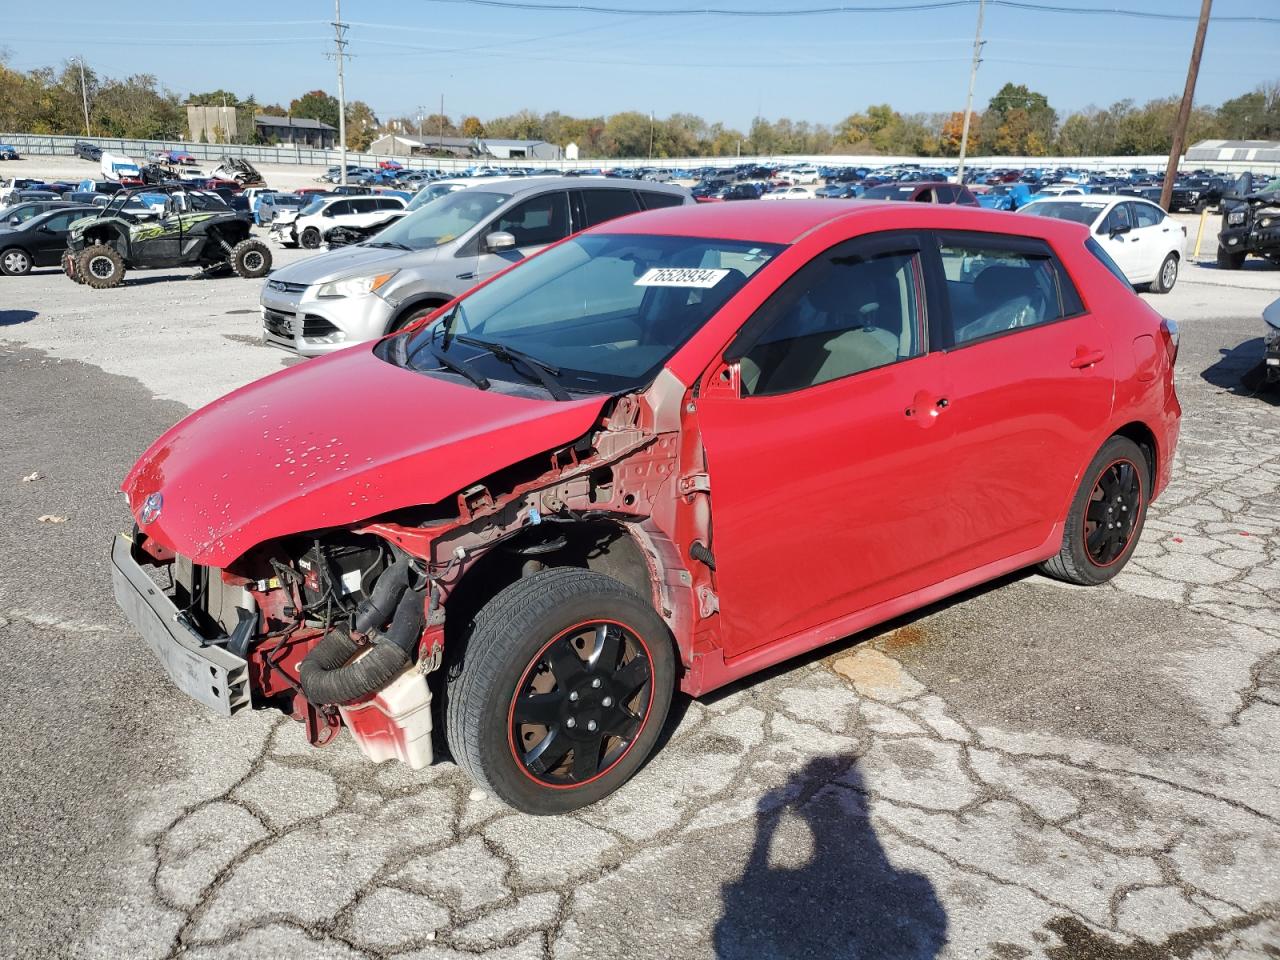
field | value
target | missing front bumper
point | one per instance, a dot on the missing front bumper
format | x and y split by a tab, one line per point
204	671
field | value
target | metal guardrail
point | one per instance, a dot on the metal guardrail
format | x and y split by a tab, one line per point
40	145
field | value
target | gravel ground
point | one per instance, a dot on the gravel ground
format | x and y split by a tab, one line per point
1028	770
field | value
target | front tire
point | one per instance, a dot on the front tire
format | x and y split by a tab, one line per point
562	690
101	266
15	262
1230	260
413	316
1106	516
251	259
310	238
1167	275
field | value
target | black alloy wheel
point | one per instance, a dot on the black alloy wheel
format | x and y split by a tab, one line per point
581	703
1106	516
1112	513
559	689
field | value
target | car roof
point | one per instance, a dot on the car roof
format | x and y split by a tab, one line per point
786	223
1099	200
518	185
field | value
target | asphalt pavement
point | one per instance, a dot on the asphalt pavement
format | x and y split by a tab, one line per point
1027	770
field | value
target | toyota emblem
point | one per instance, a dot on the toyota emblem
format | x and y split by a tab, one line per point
151	508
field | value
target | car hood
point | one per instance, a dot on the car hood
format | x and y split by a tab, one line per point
331	442
346	260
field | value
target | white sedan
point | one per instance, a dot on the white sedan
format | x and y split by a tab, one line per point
1145	242
790	193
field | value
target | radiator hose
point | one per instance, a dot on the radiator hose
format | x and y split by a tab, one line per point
329	675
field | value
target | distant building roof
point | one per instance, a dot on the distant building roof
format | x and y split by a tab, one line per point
1263	151
306	123
510	143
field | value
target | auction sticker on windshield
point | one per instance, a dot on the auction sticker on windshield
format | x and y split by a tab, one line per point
681	277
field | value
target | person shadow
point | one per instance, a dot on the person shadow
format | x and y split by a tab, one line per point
819	884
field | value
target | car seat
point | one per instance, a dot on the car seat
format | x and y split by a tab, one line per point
1008	297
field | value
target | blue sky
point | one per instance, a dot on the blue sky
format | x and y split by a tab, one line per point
486	61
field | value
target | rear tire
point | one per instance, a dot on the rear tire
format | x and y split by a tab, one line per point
251	259
1106	516
1167	275
554	664
1230	260
15	262
101	266
310	238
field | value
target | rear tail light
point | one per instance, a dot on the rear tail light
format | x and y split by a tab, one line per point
1172	338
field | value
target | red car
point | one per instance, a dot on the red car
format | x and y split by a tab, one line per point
665	453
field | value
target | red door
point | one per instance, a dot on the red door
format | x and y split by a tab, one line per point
1031	383
828	467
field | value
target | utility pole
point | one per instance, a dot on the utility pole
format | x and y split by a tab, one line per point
651	136
339	54
1184	111
968	103
440	145
84	93
422	110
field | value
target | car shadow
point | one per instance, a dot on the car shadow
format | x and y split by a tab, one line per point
11	318
1251	265
820	884
1241	371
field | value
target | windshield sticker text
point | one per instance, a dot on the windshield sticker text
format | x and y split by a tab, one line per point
681	277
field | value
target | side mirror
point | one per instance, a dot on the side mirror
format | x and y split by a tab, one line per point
14	221
1120	229
498	241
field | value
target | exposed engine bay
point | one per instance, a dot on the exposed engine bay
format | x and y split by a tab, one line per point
343	627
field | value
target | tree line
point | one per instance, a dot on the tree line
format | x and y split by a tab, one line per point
1017	121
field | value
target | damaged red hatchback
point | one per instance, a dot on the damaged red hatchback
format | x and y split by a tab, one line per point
669	451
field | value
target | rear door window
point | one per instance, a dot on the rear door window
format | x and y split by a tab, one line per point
601	206
998	285
653	200
1147	215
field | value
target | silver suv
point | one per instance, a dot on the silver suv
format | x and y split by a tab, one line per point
442	249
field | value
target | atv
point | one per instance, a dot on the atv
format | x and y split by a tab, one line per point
170	227
1250	223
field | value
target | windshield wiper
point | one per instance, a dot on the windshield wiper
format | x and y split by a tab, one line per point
542	370
461	369
389	244
403	358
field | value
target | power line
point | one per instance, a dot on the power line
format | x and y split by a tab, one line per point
915	7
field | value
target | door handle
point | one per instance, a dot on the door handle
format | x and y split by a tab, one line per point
1086	358
925	408
466	276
